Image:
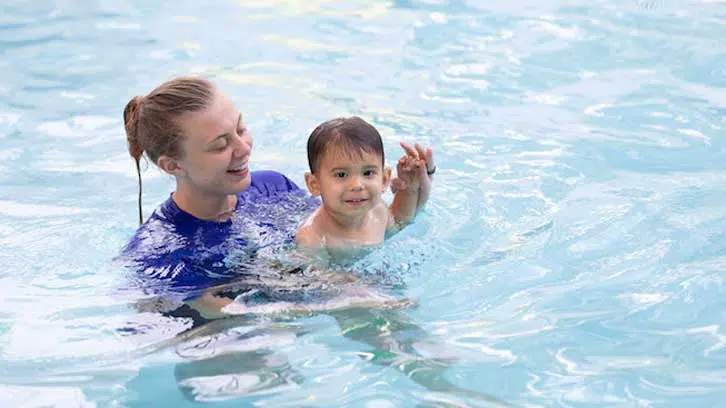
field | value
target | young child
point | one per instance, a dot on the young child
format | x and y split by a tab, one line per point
347	171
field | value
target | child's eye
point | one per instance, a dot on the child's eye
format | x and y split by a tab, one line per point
369	173
339	174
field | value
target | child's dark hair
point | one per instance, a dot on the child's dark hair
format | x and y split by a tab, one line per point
351	134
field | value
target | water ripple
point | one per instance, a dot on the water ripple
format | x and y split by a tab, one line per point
571	253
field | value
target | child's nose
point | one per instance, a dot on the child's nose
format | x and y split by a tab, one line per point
355	183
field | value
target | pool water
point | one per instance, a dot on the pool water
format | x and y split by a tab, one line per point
573	253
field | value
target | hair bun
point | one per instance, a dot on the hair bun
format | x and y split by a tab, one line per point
131	121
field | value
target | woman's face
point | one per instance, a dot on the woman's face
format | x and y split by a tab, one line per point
216	148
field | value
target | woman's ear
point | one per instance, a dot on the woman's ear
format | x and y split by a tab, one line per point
311	180
169	165
386	179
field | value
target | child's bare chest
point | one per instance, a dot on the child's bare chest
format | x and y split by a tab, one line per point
371	232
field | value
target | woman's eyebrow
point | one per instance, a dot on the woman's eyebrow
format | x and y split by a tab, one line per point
227	134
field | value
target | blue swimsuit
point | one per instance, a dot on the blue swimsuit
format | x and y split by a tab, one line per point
176	255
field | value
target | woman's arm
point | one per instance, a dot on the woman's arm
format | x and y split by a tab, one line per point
209	305
427	155
353	294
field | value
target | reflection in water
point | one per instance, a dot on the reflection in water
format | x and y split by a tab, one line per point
239	362
394	338
240	357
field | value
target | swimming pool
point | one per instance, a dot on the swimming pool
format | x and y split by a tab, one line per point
572	253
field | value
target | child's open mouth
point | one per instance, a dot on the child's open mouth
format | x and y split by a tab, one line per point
356	202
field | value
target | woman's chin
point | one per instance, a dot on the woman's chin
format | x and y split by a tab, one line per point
241	185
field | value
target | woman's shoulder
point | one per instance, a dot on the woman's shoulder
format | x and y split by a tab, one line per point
156	238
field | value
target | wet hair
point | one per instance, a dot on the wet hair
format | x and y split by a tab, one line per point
352	135
151	121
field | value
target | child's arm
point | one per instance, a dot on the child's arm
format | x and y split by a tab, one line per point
404	205
407	187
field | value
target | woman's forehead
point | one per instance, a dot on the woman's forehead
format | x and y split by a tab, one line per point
221	116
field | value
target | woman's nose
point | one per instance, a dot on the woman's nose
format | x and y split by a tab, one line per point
242	145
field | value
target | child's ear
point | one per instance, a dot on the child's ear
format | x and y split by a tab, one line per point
386	179
311	180
169	165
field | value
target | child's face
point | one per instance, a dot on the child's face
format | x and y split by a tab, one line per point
349	183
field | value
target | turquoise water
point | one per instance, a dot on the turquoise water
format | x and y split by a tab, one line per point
572	254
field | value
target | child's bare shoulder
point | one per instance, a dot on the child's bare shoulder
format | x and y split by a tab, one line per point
310	233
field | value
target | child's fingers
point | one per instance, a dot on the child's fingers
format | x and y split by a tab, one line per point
410	151
404	164
420	150
408	160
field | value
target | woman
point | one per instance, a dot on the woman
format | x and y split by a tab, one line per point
221	214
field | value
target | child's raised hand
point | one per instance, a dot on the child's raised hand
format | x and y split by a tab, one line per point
416	159
427	155
412	184
409	172
424	157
